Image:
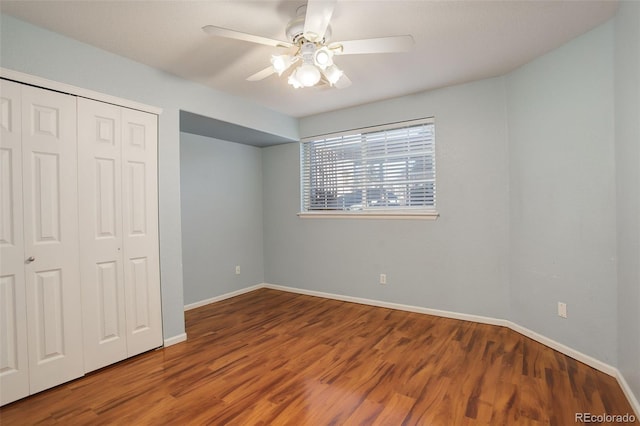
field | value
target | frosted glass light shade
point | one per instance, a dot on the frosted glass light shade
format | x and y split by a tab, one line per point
322	58
333	74
281	63
308	75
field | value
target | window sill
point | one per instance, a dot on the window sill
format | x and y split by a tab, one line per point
416	214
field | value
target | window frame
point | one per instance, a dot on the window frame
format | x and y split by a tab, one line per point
421	212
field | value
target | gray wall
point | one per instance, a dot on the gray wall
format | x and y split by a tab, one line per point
627	127
221	196
29	49
562	178
455	263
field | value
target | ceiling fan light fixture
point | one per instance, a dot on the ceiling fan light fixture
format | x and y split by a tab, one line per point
309	35
323	58
292	80
307	74
333	74
281	63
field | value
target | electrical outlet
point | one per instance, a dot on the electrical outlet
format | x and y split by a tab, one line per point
237	269
383	279
562	309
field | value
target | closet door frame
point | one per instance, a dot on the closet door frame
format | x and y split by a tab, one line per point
32	80
19	78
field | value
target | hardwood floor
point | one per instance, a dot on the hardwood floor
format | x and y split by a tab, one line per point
271	358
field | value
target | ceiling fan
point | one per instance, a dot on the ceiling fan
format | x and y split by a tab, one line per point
310	48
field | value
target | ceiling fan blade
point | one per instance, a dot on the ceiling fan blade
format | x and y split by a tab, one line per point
343	82
392	44
261	75
317	19
237	35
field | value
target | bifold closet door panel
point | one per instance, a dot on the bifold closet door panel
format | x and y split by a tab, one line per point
14	360
79	267
140	226
118	232
50	182
101	255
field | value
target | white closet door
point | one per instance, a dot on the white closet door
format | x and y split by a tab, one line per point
101	266
140	220
49	163
14	361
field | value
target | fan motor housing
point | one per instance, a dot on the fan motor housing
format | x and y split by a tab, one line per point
295	29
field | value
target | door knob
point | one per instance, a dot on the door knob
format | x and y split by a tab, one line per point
31	259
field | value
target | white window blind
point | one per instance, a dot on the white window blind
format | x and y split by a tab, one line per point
385	168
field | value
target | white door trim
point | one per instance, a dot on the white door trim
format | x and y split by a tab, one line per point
33	80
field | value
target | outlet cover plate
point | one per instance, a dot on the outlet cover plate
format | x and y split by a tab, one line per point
562	309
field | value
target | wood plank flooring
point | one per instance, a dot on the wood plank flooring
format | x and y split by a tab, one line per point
276	358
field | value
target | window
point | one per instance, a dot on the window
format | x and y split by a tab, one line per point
383	170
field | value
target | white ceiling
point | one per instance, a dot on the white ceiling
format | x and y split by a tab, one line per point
455	41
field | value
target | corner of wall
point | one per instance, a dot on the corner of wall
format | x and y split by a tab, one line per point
627	146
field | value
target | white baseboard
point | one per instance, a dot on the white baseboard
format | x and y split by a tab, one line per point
635	404
222	297
592	362
566	350
175	339
390	305
577	355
